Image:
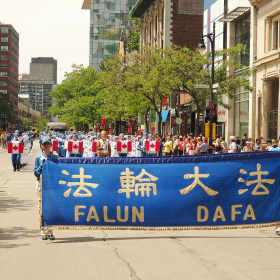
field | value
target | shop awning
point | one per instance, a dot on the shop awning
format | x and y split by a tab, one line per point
164	115
237	12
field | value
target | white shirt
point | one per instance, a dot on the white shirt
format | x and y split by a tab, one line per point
232	147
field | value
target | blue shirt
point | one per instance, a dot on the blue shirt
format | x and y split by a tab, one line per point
38	164
276	149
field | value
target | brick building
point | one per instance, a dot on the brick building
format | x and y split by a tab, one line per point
9	57
167	22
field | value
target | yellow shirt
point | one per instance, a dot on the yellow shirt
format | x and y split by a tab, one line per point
168	148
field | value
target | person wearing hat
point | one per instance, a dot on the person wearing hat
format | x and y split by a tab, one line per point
141	144
39	161
232	148
16	157
247	148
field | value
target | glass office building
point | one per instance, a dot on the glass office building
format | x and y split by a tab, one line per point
108	18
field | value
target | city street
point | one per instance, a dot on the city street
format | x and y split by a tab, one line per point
221	254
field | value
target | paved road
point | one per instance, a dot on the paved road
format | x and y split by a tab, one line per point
113	255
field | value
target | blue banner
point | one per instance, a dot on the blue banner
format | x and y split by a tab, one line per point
202	191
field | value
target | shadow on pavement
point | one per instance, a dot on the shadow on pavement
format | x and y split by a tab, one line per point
15	233
90	239
8	202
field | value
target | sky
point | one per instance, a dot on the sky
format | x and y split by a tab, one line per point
49	28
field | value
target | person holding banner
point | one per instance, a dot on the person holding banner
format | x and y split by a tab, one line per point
39	160
103	146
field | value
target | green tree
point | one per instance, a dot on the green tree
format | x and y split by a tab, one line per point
134	44
6	111
183	69
115	98
144	79
75	98
41	123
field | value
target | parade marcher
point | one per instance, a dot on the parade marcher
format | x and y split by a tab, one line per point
76	150
114	147
232	148
142	144
46	146
123	150
16	157
103	146
149	152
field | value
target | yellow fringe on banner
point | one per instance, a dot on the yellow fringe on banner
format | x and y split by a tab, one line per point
277	224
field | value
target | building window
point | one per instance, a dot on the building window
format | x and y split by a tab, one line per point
4	39
4	56
275	32
4	48
4	65
3	83
241	111
3	74
242	36
4	30
3	91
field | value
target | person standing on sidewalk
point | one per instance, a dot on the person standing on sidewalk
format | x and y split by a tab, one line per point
39	160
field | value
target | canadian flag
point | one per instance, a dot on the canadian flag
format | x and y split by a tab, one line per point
152	146
124	146
94	147
75	147
54	146
15	148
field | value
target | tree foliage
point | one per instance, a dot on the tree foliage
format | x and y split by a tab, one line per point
134	36
75	98
6	109
41	123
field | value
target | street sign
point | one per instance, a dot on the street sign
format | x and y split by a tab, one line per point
201	86
179	120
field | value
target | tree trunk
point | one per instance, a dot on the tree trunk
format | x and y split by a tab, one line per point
146	120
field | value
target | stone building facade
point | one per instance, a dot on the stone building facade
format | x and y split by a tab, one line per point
267	61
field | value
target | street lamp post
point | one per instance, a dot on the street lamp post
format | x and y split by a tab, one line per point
202	48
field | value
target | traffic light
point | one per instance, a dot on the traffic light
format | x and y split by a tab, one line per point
174	120
213	110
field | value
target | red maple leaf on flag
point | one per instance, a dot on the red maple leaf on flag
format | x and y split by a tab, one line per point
75	147
15	148
124	146
152	145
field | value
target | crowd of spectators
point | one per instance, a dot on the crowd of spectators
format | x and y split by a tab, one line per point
183	145
5	138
